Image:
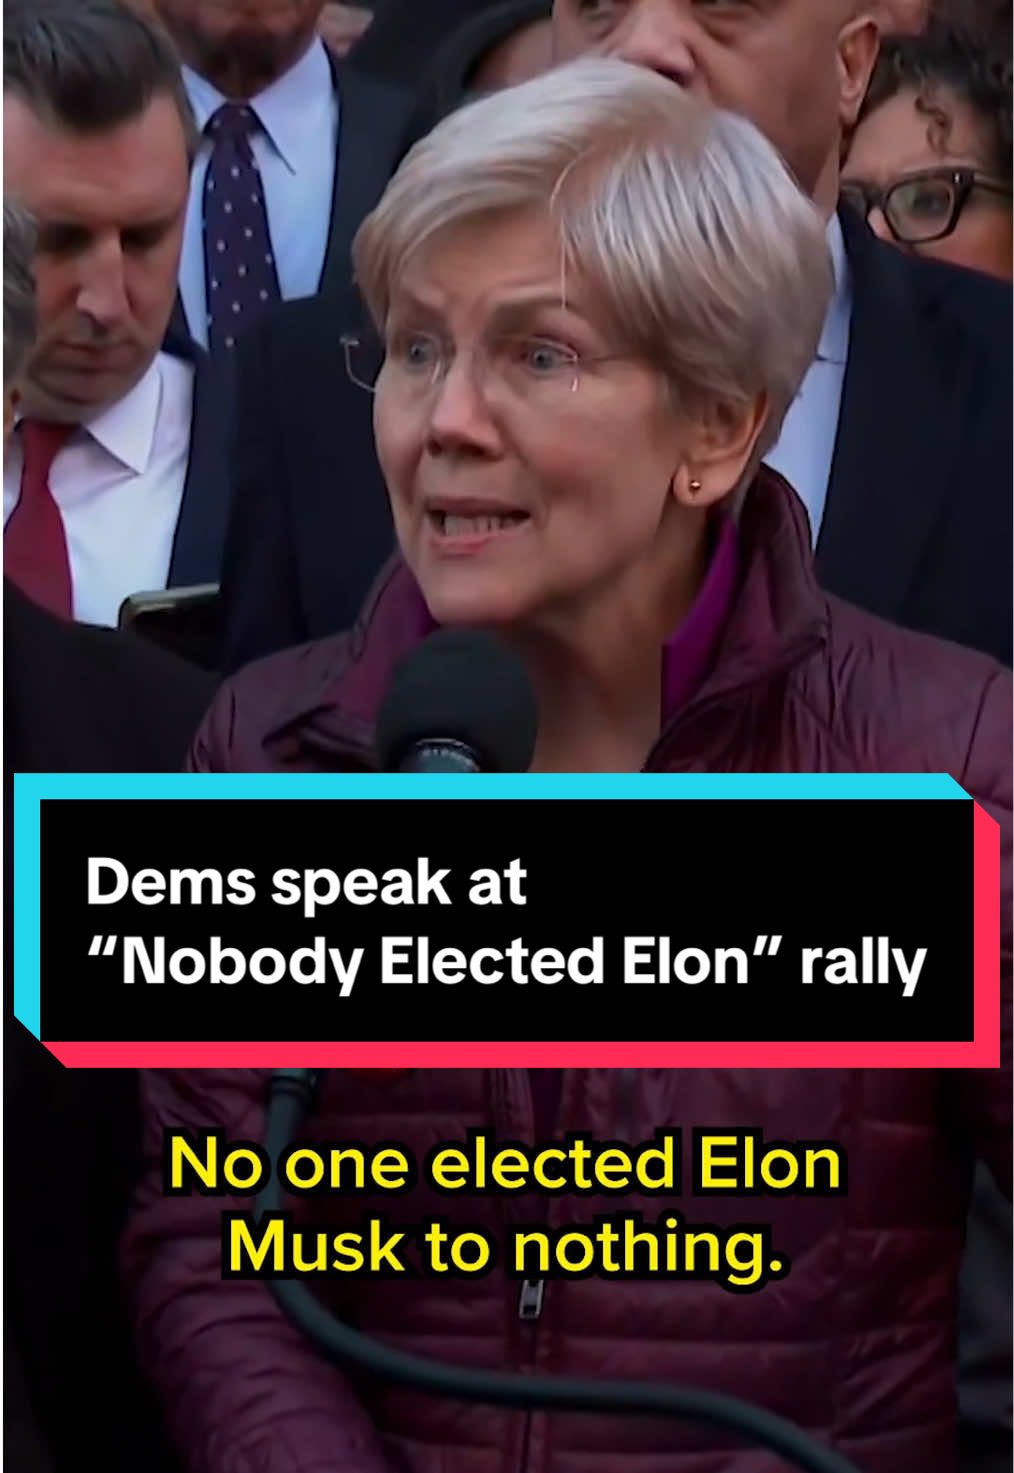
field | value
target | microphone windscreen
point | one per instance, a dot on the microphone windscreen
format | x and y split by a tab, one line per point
460	685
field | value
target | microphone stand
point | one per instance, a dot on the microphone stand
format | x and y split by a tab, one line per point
291	1095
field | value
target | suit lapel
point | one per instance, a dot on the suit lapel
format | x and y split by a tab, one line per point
179	329
200	529
370	126
904	402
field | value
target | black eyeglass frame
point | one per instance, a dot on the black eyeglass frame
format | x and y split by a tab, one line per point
963	182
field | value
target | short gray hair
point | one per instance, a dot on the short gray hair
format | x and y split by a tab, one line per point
19	291
706	254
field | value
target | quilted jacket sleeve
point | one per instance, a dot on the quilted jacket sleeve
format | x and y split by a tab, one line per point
210	747
985	1094
241	1390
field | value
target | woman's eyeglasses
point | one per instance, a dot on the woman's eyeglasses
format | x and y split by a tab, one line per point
521	367
922	207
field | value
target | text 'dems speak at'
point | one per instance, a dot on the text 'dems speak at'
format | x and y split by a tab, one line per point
382	922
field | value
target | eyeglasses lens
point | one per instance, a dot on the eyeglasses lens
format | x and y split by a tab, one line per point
920	209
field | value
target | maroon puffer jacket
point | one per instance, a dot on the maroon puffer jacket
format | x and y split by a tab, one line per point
856	1344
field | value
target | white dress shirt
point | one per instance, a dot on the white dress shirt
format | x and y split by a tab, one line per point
805	447
119	484
296	155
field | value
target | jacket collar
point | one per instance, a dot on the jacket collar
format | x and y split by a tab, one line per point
780	612
778	615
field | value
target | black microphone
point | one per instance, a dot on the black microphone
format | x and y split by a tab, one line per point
461	702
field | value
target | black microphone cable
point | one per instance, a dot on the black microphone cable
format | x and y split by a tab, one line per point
291	1095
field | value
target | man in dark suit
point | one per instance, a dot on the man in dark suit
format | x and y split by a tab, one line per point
76	699
294	149
917	526
115	480
899	443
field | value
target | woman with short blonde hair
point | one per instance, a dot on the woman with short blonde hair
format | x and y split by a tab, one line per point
595	297
682	221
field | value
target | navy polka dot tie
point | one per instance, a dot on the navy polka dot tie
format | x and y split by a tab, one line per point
240	273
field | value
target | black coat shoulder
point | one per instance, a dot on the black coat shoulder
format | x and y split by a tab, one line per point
78	698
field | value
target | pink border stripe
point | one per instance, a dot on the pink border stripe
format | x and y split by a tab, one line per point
982	1053
477	1055
986	1027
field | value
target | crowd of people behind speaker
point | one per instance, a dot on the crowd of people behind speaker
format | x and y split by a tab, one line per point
143	483
934	483
191	414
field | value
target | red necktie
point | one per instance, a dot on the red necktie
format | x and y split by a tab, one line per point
35	544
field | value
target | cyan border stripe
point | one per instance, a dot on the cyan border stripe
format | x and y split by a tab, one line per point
26	908
34	787
31	789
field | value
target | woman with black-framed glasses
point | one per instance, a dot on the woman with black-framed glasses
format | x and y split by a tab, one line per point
929	164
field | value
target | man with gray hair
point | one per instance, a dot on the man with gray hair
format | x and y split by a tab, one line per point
899	443
115	476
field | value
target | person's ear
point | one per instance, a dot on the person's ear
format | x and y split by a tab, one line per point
720	445
858	48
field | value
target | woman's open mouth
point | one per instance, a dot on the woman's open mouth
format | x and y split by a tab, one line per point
456	524
468	530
